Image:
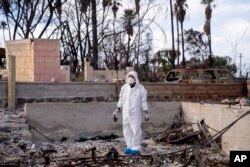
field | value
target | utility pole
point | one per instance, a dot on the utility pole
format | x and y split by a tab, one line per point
240	64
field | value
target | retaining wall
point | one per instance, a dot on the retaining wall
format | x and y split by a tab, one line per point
39	90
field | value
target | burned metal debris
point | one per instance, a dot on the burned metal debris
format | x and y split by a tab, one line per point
178	135
112	158
183	133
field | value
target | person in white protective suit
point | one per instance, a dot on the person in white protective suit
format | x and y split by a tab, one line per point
132	100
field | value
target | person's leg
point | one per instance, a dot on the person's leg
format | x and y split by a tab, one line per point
128	135
137	132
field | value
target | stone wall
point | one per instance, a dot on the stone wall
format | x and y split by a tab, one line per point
37	60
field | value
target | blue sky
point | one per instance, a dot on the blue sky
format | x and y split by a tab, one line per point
230	26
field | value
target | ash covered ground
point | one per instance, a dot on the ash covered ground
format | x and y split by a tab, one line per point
19	148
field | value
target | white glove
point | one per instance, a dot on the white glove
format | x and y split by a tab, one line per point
115	114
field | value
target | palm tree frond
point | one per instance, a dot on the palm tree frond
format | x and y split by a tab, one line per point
3	25
206	2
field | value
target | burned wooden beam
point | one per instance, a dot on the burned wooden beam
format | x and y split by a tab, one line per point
192	157
187	139
197	155
205	134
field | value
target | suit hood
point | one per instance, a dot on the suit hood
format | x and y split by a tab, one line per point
134	73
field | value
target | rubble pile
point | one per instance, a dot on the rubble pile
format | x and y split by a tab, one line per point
17	148
14	135
238	101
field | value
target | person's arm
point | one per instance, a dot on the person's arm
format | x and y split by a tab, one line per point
121	98
119	104
144	104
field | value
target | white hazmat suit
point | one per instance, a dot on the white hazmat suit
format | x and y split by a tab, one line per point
132	101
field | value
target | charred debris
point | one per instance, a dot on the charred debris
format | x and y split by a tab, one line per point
178	145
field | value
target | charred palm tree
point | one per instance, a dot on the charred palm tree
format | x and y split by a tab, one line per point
137	6
58	6
95	40
137	11
114	4
3	26
114	10
84	6
172	29
207	26
128	16
181	13
178	32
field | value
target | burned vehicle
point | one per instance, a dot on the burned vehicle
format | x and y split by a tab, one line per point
190	75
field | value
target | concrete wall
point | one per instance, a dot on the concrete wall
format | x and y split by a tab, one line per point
103	75
218	117
179	91
24	58
46	55
64	90
37	60
166	91
74	119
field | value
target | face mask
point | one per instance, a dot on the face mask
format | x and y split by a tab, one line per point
131	80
